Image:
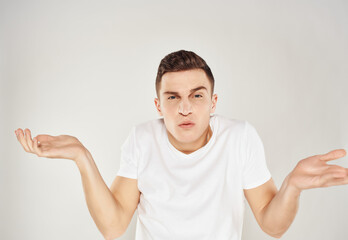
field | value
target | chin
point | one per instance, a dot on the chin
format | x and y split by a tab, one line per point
185	140
189	138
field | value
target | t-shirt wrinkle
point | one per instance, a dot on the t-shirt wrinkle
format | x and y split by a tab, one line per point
197	195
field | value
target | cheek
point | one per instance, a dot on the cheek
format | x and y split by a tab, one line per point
206	105
166	108
170	106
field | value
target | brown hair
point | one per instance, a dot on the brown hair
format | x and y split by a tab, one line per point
180	61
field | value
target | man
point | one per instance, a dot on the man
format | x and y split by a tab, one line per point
188	172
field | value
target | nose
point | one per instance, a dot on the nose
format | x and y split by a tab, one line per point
185	107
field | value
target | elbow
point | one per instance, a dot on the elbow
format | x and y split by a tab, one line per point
109	238
113	230
275	235
275	232
111	235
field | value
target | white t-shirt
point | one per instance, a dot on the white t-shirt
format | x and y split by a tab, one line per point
197	195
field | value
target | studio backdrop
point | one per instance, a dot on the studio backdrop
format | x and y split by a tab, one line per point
88	69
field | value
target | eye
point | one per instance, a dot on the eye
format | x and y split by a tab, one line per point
171	97
198	96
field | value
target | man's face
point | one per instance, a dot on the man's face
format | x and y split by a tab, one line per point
186	96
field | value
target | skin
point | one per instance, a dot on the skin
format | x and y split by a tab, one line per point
186	106
274	210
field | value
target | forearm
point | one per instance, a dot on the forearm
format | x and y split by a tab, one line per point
102	205
281	211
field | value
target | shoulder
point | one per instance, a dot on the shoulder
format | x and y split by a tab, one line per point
149	128
236	125
228	124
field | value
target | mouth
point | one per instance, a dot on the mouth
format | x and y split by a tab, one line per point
186	124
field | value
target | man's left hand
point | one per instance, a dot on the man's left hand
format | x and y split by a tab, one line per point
314	172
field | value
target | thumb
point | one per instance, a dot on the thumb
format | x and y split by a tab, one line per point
334	154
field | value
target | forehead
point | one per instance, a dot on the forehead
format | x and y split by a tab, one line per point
184	81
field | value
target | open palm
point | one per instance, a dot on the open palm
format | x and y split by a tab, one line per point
314	172
62	146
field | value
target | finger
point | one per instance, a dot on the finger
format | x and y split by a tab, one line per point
332	155
28	139
337	181
21	139
335	168
332	174
44	138
337	171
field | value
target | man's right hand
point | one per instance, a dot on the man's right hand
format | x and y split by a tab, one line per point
62	146
111	210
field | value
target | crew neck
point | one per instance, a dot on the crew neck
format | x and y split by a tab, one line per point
199	152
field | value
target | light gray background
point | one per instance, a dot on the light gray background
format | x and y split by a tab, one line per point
87	69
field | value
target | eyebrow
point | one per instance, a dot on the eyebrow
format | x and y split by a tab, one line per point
191	91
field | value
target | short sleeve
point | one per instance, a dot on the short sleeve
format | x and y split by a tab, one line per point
255	170
129	157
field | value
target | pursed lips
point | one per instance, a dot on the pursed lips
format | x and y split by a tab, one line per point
187	124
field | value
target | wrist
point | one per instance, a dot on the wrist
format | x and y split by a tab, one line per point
291	188
84	158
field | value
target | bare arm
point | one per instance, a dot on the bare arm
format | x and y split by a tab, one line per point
276	210
104	208
111	210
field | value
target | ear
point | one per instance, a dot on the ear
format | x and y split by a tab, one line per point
213	105
158	107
